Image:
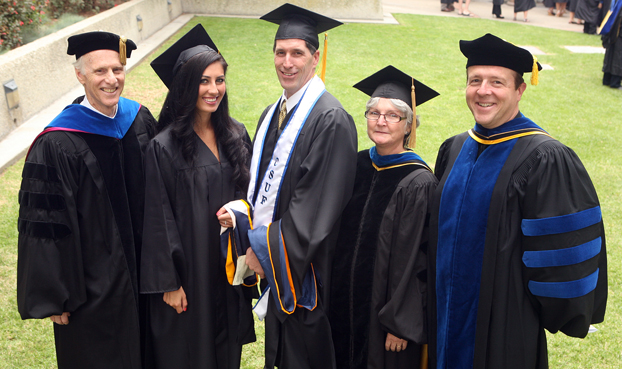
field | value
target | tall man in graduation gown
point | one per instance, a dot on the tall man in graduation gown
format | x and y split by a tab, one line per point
517	238
80	218
302	175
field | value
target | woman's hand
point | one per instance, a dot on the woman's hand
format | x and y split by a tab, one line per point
395	344
224	218
176	299
61	319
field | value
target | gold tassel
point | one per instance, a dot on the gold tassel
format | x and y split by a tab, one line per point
534	72
323	74
122	50
412	140
424	357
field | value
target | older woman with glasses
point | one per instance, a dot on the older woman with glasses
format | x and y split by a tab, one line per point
378	286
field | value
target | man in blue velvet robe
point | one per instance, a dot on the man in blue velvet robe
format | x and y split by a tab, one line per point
517	238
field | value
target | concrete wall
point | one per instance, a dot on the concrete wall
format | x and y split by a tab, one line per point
42	69
341	9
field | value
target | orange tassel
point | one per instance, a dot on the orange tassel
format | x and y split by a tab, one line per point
323	74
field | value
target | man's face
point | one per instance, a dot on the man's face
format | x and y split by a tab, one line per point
103	79
294	64
491	94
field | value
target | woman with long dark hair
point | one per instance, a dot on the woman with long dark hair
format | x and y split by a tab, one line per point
197	162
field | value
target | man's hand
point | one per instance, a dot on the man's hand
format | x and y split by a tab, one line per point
176	299
224	218
253	263
61	319
395	344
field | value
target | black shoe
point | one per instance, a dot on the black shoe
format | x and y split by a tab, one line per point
499	16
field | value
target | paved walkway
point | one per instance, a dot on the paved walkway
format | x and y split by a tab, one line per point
537	16
15	145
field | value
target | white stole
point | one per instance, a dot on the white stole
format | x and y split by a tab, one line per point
268	192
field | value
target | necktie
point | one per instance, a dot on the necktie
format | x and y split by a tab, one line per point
282	114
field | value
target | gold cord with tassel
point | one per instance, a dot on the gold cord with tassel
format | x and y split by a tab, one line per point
534	72
424	357
412	139
323	74
122	50
534	68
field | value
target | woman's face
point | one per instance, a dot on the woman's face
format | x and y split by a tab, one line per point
388	137
211	89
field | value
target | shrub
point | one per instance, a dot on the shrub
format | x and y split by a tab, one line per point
31	14
17	14
58	7
29	34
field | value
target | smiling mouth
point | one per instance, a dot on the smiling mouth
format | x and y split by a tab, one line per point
288	74
210	99
109	90
485	105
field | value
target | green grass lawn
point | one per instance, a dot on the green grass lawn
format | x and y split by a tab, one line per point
570	103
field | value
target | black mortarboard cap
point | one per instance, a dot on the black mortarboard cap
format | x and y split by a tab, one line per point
172	59
84	43
392	83
491	50
297	22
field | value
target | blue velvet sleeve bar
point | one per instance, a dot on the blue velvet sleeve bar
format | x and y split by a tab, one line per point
565	290
561	257
561	224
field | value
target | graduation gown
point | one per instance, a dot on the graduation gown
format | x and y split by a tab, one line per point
80	231
379	270
182	249
543	261
612	42
496	6
588	11
523	5
315	189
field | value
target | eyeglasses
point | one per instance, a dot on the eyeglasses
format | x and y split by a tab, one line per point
389	117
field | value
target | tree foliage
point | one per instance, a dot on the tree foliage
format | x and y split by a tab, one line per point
20	14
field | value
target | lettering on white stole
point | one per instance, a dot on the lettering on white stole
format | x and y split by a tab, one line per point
266	202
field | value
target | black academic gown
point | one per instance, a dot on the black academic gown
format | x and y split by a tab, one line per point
80	231
379	271
316	188
588	11
612	42
541	178
496	6
182	249
523	5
